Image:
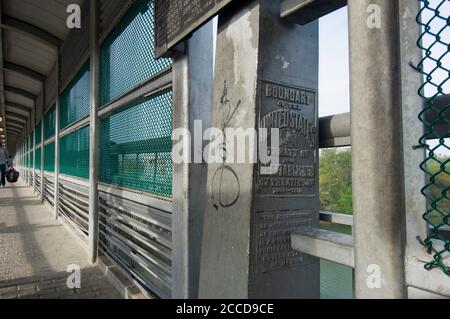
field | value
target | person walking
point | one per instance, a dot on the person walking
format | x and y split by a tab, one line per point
4	156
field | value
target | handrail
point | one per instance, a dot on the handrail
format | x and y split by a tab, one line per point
336	218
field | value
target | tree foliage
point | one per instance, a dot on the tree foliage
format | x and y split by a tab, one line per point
336	181
438	179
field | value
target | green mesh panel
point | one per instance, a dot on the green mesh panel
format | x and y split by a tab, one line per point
75	100
37	162
49	158
127	56
38	133
74	154
136	146
435	44
49	124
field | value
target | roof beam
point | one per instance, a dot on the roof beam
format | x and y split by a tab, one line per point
13	112
23	70
46	38
14	127
16	117
16	123
19	106
21	92
10	131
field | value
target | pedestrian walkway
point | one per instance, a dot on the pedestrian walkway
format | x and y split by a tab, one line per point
36	251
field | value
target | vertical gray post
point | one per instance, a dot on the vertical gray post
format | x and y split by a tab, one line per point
29	169
42	142
94	135
378	205
266	76
57	127
192	92
34	148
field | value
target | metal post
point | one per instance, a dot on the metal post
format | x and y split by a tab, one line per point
57	116
42	142
94	136
34	148
29	172
192	100
377	150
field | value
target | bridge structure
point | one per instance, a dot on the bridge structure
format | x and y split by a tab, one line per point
88	114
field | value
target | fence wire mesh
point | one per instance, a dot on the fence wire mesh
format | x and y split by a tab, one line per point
128	54
75	100
74	154
136	146
49	124
49	158
38	133
435	66
37	160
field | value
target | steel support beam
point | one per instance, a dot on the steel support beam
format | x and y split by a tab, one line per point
13	112
14	130
377	151
44	37
19	107
21	92
16	124
2	78
305	11
17	117
57	128
42	144
93	132
13	67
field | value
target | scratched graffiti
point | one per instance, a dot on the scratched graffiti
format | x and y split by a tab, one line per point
225	175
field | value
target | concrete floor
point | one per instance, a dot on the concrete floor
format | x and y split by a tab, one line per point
36	251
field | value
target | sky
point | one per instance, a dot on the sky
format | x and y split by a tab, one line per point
334	79
334	90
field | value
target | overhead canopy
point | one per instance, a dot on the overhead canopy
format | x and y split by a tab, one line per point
30	34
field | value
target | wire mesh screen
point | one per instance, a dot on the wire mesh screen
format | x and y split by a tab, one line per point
128	54
49	124
75	100
435	66
37	162
49	158
74	154
136	146
38	133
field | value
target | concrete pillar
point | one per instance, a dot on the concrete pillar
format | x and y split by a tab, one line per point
57	128
378	205
94	134
266	75
192	92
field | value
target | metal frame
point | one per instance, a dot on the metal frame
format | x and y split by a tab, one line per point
13	24
94	132
23	70
417	278
57	128
21	92
19	107
155	84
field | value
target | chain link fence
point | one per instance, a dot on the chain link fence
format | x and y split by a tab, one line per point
435	44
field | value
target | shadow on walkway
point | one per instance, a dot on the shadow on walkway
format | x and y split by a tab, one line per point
36	251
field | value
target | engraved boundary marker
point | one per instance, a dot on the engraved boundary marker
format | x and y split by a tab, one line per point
175	20
293	110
